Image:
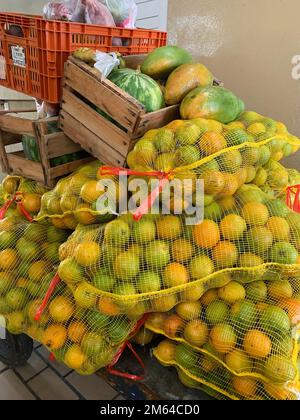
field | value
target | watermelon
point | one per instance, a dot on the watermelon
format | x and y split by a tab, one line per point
144	89
109	118
213	102
160	63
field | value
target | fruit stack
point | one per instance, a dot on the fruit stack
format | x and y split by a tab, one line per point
73	200
239	339
18	193
28	259
225	290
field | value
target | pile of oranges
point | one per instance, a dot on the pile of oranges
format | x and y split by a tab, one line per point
74	199
82	338
238	338
29	194
204	372
151	265
224	156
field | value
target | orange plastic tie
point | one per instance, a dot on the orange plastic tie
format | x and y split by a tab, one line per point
54	282
111	170
52	357
148	203
20	206
121	350
24	212
150	200
5	207
293	198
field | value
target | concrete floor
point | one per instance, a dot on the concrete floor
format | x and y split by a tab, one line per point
41	379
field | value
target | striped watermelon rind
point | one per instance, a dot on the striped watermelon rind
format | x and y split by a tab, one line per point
140	86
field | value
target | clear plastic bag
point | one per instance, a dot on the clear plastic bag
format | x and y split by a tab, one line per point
105	63
60	10
91	12
96	13
84	11
124	12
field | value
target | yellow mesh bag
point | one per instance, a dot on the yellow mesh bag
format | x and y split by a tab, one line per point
224	156
252	330
28	260
80	337
216	379
151	265
165	353
294	177
2	195
74	199
21	197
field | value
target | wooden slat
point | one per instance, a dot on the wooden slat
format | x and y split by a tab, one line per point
16	125
11	138
20	111
156	120
90	142
67	168
3	156
39	129
106	82
104	95
106	131
59	144
19	165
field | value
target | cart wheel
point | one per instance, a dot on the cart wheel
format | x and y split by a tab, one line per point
15	350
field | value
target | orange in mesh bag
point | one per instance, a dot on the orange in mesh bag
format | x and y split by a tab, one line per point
216	379
84	339
151	265
80	337
28	259
74	199
252	330
165	353
224	156
34	302
21	197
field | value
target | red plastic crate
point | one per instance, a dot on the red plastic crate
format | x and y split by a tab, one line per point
33	50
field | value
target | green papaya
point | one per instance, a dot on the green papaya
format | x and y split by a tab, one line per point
213	102
160	63
184	79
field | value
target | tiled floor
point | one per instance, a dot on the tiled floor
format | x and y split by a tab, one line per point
41	379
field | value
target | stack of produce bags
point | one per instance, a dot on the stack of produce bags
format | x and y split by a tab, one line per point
224	291
121	13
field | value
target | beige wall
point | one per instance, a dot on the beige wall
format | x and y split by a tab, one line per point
249	44
28	6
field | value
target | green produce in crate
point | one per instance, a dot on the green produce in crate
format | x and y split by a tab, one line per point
61	160
140	86
30	145
31	149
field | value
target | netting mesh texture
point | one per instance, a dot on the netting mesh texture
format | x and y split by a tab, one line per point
221	286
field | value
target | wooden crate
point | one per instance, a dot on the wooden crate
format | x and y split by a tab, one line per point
84	91
50	145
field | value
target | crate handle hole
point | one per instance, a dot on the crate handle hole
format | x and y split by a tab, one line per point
14	30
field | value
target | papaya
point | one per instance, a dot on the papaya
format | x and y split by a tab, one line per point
184	79
160	63
213	102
